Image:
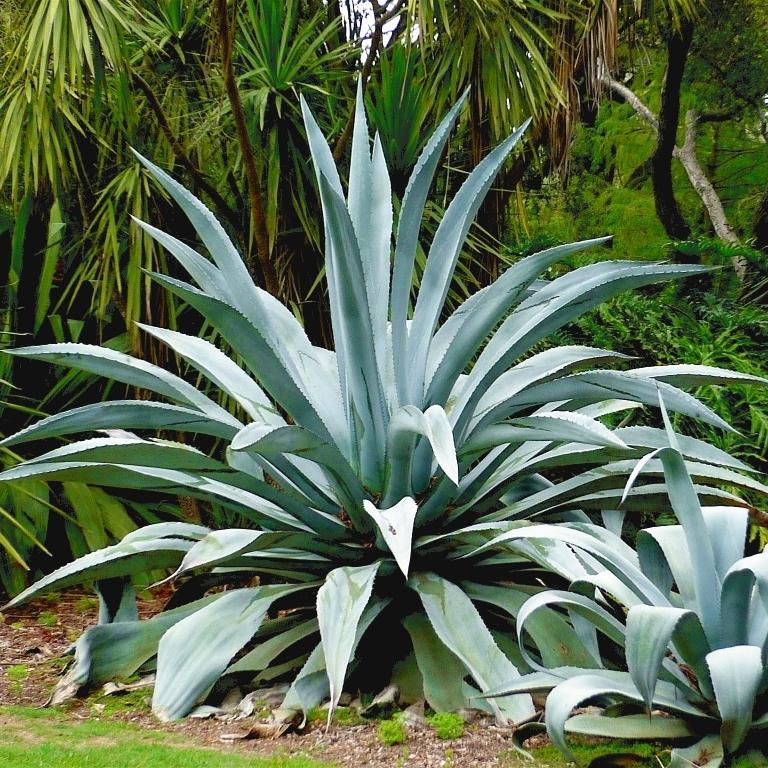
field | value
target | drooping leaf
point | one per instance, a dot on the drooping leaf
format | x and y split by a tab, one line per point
193	653
396	527
340	605
460	628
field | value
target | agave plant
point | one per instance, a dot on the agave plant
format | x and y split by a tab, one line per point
366	475
694	634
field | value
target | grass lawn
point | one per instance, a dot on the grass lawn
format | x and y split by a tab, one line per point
33	738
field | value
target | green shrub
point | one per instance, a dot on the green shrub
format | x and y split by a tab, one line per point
47	619
368	475
447	725
392	732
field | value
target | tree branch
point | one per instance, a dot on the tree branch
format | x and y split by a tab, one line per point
381	17
690	162
180	152
715	116
258	217
630	97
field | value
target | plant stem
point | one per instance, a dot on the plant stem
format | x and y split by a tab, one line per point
226	31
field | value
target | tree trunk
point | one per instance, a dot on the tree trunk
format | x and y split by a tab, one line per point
690	162
667	209
760	228
226	32
700	181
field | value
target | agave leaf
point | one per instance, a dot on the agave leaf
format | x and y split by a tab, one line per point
132	450
653	563
407	423
443	256
117	600
130	370
221	546
171	529
340	605
637	438
267	651
578	690
260	507
311	685
460	337
736	676
360	381
645	727
615	555
705	753
364	378
396	527
551	426
738	585
538	316
306	479
685	503
221	371
499	401
193	654
689	375
576	604
111	651
124	414
123	559
534	682
208	229
199	268
650	631
268	441
555	639
690	447
370	209
595	386
727	527
281	381
697	471
411	213
325	167
459	626
442	672
604	487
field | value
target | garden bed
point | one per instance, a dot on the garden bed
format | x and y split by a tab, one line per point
34	637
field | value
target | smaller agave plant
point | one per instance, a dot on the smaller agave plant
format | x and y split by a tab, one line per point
694	636
364	476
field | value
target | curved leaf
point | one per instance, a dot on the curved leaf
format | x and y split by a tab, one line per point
341	602
650	630
442	258
459	626
123	559
406	424
194	653
396	527
736	676
130	370
124	414
408	225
